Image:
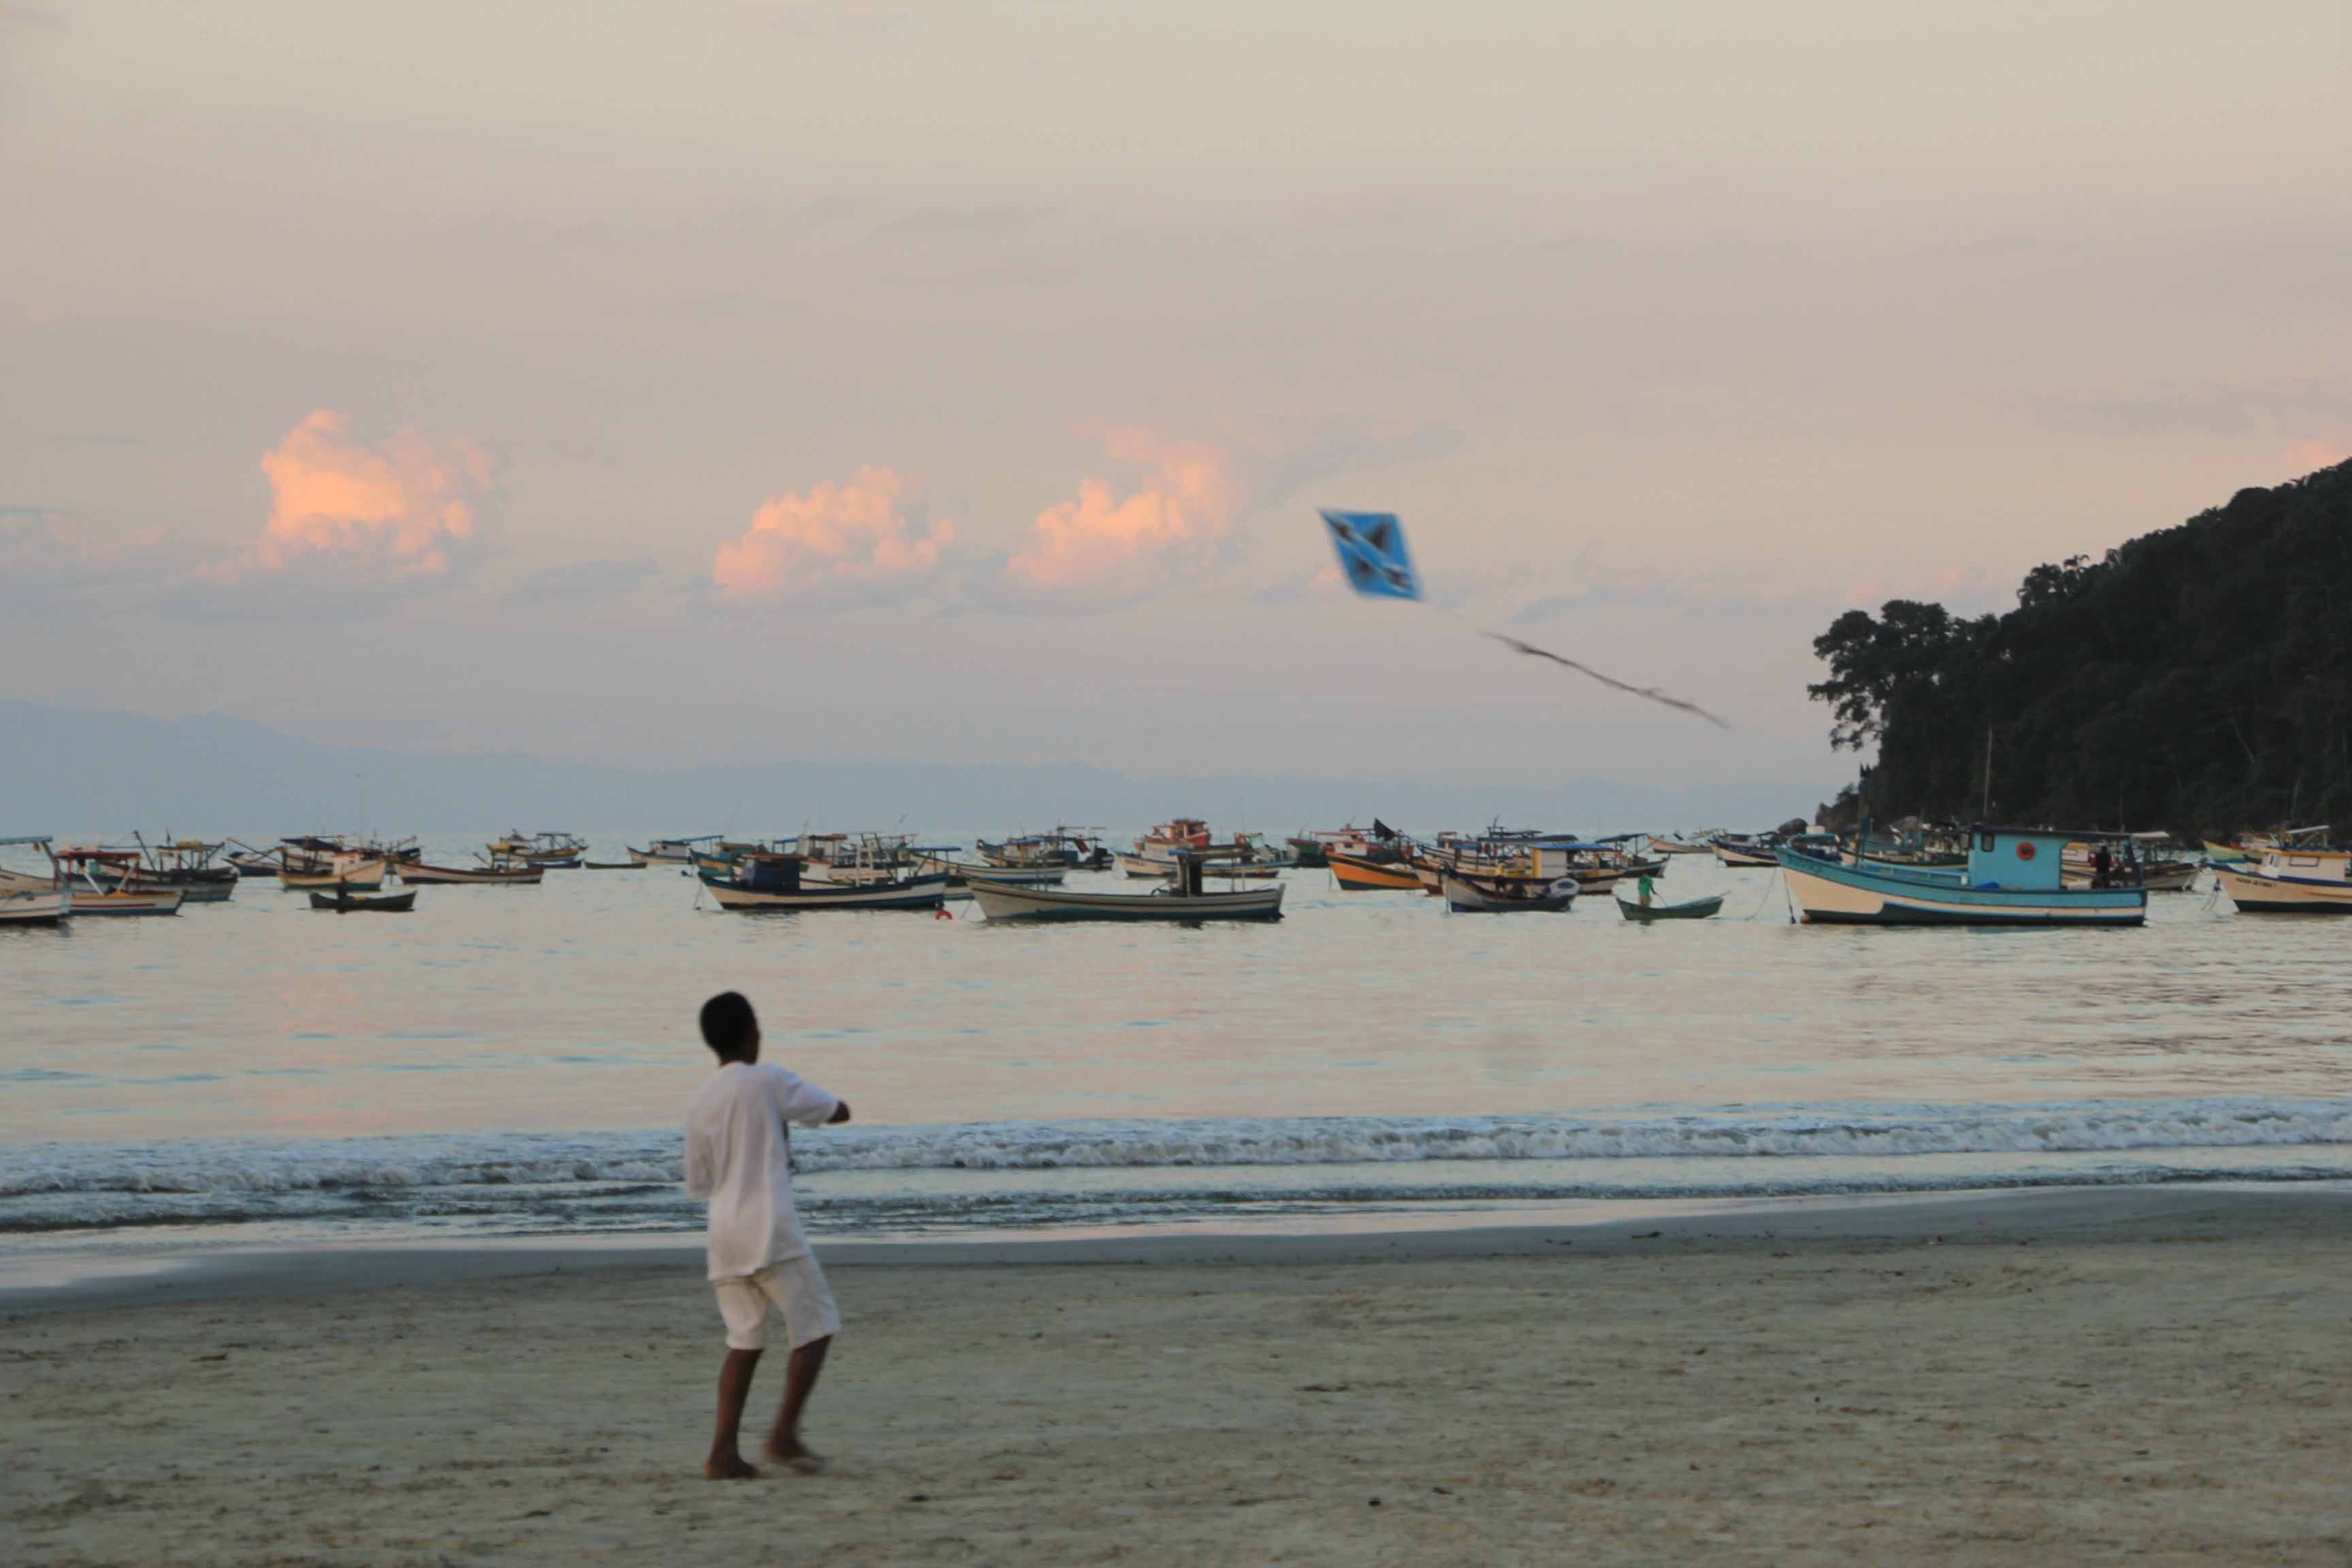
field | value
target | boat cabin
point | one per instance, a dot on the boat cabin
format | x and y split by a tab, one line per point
2021	859
2294	863
767	873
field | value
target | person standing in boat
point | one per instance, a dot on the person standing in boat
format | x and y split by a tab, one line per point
1644	888
738	1156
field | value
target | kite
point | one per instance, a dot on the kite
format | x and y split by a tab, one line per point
1372	551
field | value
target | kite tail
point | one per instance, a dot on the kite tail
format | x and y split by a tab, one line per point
1652	692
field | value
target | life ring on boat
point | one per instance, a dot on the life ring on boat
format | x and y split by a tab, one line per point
941	913
2025	851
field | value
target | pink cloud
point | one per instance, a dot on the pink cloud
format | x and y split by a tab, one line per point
1171	524
834	539
404	504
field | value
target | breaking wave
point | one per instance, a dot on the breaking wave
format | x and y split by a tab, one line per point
1100	1170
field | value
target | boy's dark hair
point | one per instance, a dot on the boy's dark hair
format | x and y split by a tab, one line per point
727	1022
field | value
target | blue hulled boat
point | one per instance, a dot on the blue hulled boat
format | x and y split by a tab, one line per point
2014	877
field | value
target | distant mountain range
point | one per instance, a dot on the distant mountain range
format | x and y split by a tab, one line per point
80	774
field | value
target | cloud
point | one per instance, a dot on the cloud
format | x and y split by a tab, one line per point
1172	525
580	581
408	508
836	544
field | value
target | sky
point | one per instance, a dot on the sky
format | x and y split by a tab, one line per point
739	383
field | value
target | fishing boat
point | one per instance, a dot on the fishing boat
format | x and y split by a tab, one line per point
47	908
2137	867
1688	910
252	862
344	903
961	874
612	865
493	874
2296	878
347	871
1747	854
75	868
185	864
779	882
556	851
1683	844
671	851
1072	849
2014	878
1157	850
1361	874
1182	899
29	901
1467	893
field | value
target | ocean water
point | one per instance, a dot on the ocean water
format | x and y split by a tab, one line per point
509	1061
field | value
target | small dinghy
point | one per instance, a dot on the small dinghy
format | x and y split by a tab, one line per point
612	865
1691	909
353	903
502	874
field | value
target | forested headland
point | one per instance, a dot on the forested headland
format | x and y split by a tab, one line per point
2197	678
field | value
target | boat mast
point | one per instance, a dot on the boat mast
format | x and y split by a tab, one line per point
1985	812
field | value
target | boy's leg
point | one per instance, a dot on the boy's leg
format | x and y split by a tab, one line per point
798	1287
726	1462
743	1306
800	1378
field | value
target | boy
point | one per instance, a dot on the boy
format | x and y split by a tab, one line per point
737	1156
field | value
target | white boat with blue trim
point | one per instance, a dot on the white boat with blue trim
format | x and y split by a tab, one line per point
2291	880
2014	877
1182	897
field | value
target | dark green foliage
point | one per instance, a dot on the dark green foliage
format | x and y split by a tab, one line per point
2199	679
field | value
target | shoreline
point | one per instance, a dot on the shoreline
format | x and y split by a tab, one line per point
37	1282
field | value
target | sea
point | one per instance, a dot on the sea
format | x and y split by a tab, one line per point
514	1062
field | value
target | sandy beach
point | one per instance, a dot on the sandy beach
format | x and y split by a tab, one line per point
2055	1376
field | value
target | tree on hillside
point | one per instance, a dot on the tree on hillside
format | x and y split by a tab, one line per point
2197	678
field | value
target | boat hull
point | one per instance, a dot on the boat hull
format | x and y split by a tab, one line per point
390	904
461	876
1469	899
1830	894
2259	895
365	879
961	873
47	908
1360	876
1003	901
87	903
923	893
1690	910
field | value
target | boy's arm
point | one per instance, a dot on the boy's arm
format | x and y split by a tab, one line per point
699	1172
800	1103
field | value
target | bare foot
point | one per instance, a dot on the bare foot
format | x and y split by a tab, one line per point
796	1456
733	1468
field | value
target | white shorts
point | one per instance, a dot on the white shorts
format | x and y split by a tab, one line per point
796	1286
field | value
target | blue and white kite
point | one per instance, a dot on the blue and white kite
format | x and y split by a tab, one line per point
1372	553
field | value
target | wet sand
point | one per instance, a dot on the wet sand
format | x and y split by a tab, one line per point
2055	1376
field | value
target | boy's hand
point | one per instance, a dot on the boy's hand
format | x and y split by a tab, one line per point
840	1114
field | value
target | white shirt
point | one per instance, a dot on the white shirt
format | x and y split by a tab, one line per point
736	1157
